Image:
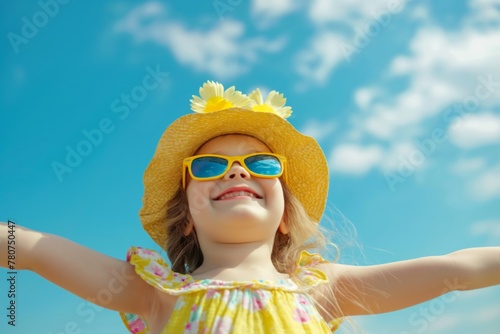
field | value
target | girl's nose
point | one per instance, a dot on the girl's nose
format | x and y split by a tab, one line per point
236	171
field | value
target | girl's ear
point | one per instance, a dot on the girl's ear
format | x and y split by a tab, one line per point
189	227
283	227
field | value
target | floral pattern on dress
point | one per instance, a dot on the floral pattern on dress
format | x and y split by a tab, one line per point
222	307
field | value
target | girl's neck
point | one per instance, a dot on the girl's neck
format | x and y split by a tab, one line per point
237	262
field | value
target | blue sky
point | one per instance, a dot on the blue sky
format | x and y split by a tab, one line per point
403	97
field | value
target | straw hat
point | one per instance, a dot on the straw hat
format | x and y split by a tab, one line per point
219	112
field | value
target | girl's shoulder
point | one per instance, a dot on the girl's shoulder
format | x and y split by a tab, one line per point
152	268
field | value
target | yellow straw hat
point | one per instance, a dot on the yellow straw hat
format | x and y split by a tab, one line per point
220	112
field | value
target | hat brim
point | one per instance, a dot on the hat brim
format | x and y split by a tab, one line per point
307	169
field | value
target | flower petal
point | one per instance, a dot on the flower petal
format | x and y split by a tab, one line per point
275	99
256	97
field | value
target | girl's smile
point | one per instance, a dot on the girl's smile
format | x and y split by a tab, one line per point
237	192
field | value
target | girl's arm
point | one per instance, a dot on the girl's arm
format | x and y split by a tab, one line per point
393	286
98	278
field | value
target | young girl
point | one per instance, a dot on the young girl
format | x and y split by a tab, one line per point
234	195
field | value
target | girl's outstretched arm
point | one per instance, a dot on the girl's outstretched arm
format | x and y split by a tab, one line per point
98	278
388	287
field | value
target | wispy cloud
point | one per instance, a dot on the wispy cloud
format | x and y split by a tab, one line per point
486	185
480	176
349	12
320	57
484	316
476	130
485	11
355	159
439	59
489	228
319	129
266	13
222	50
364	96
340	25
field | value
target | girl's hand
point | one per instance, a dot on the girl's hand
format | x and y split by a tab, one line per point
393	286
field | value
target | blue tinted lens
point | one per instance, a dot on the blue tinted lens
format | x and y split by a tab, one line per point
264	165
208	166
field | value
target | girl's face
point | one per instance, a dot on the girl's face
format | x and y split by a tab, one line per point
234	220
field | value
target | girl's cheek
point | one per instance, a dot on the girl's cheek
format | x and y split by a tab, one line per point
198	198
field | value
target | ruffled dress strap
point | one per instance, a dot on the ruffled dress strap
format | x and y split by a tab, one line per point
305	274
309	277
153	269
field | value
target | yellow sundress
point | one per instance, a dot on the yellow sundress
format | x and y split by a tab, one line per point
215	306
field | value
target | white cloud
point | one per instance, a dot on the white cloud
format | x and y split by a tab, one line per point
351	12
397	157
267	12
339	25
223	50
365	96
486	186
444	68
452	323
481	180
451	54
420	13
320	57
479	309
489	228
319	130
355	159
403	158
396	117
486	10
476	130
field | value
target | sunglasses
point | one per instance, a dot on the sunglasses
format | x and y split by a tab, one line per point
208	167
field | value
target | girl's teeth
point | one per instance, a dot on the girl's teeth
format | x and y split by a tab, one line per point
239	193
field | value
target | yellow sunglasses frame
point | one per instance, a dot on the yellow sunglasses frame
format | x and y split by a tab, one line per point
231	159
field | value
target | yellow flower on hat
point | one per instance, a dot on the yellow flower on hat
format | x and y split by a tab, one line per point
274	103
215	98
